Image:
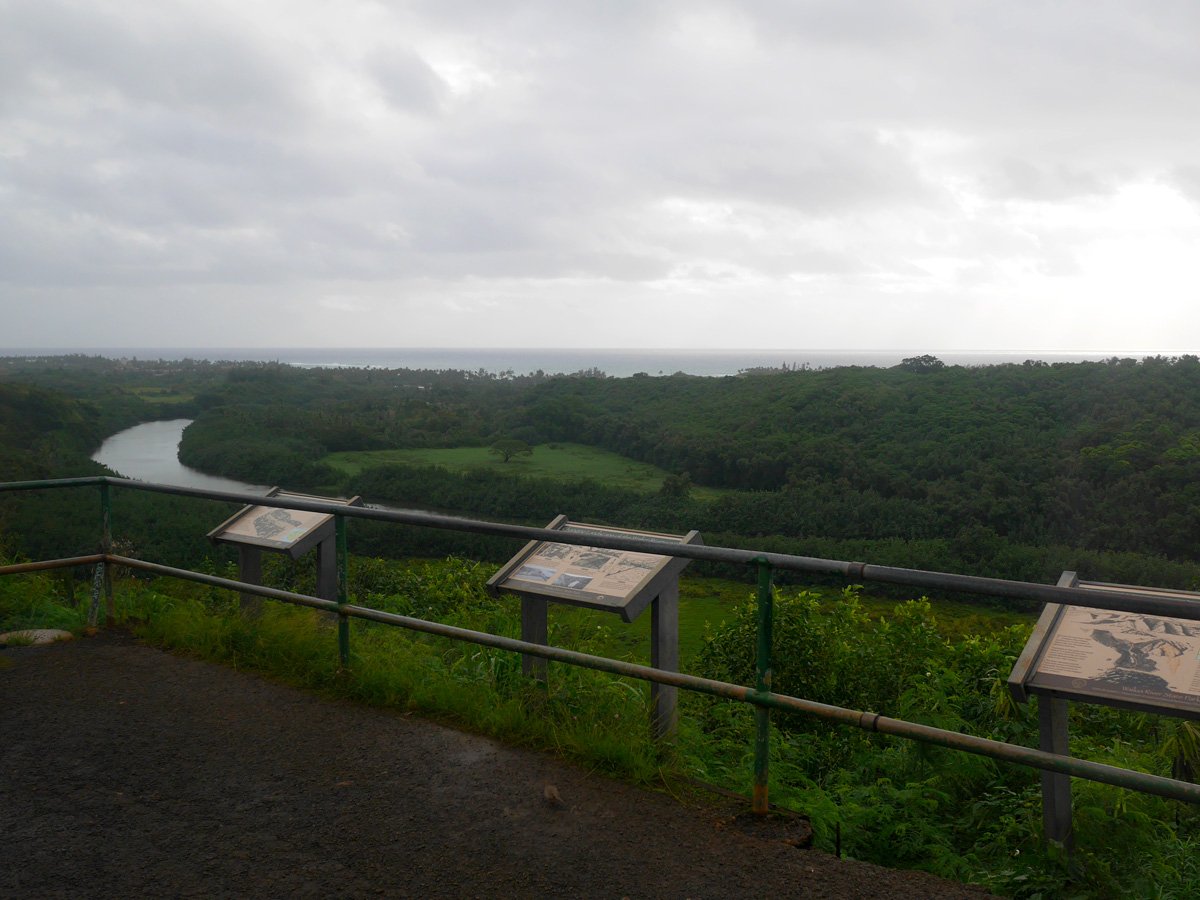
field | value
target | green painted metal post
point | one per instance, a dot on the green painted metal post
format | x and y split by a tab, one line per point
110	608
762	714
342	594
105	518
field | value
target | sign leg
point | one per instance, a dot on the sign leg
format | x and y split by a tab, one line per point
327	575
664	654
534	631
97	587
250	571
1053	737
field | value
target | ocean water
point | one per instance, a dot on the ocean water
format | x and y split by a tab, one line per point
617	363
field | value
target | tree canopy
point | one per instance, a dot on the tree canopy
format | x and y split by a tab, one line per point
508	448
987	469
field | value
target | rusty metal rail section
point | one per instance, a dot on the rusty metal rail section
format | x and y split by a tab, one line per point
761	696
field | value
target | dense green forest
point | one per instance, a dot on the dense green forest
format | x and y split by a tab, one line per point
44	433
1012	471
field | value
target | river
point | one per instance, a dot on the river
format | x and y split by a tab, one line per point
150	452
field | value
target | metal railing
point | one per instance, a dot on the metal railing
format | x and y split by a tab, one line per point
760	696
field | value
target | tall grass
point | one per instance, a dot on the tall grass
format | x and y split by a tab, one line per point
37	600
588	716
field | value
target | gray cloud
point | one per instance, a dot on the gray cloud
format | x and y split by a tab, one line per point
407	80
860	152
1019	178
82	54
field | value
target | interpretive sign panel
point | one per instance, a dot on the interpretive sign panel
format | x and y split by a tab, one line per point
618	581
291	531
1132	660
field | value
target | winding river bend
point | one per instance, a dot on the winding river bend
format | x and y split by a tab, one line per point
150	452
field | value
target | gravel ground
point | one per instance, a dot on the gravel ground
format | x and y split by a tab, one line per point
128	772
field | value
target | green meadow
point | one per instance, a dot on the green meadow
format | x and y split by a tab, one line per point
559	461
160	394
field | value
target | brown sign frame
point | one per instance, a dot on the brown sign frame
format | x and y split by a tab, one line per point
1063	633
654	572
307	529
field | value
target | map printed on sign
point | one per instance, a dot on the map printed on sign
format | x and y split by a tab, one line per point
620	581
280	529
1131	657
274	524
595	570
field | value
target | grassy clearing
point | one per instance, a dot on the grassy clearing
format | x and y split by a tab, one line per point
160	394
563	462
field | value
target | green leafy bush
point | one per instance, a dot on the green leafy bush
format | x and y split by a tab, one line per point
903	803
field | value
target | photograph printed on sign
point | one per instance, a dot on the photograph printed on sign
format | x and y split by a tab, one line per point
1144	657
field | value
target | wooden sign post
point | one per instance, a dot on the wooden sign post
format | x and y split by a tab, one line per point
291	531
617	581
1123	659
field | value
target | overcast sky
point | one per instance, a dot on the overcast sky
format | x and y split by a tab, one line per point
826	174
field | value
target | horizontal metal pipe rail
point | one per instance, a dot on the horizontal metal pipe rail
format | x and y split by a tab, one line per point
48	564
1079	768
1170	607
